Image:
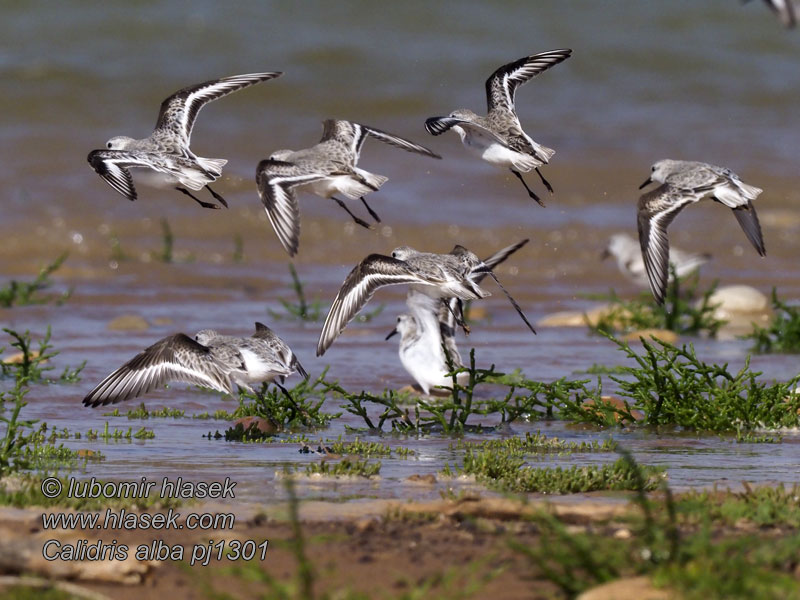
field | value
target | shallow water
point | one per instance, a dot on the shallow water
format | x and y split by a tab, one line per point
711	81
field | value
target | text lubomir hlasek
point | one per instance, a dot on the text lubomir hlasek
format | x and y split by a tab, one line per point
169	488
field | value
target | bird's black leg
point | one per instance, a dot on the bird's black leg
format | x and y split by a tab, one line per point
531	193
544	181
222	201
347	210
296	410
513	302
371	212
458	314
195	198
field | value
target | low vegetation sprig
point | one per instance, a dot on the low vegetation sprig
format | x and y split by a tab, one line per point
537	443
345	467
505	470
30	364
20	293
302	409
783	333
684	543
303	310
686	310
673	387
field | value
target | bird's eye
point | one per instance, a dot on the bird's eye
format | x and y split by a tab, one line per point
398	319
109	145
394	254
652	169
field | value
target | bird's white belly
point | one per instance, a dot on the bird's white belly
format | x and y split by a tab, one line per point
336	184
257	370
499	155
425	364
156	179
489	149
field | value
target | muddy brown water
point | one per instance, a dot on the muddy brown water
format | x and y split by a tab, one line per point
629	96
206	287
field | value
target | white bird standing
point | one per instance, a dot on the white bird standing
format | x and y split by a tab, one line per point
683	183
428	332
166	151
498	138
628	254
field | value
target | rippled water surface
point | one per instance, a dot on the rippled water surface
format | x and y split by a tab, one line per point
713	81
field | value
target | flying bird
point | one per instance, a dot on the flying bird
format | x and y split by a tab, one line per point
450	275
683	183
326	169
166	151
498	138
209	360
786	10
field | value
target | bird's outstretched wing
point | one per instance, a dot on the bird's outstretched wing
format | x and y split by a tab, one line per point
503	83
656	210
174	358
275	181
372	273
178	112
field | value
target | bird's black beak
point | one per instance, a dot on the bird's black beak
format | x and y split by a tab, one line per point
605	254
648	182
391	333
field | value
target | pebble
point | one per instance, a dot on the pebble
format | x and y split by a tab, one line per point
128	323
632	588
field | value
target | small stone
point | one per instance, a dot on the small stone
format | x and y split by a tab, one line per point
477	313
264	426
632	588
16	359
733	300
663	335
623	534
428	478
576	318
128	323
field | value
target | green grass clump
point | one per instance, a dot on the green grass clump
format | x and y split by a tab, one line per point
537	443
18	293
303	409
219	415
312	312
141	412
346	466
763	506
49	457
301	309
363	448
683	543
120	434
505	470
358	447
673	387
31	365
686	310
18	432
783	333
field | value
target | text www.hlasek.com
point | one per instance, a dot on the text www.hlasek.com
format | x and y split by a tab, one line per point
157	550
